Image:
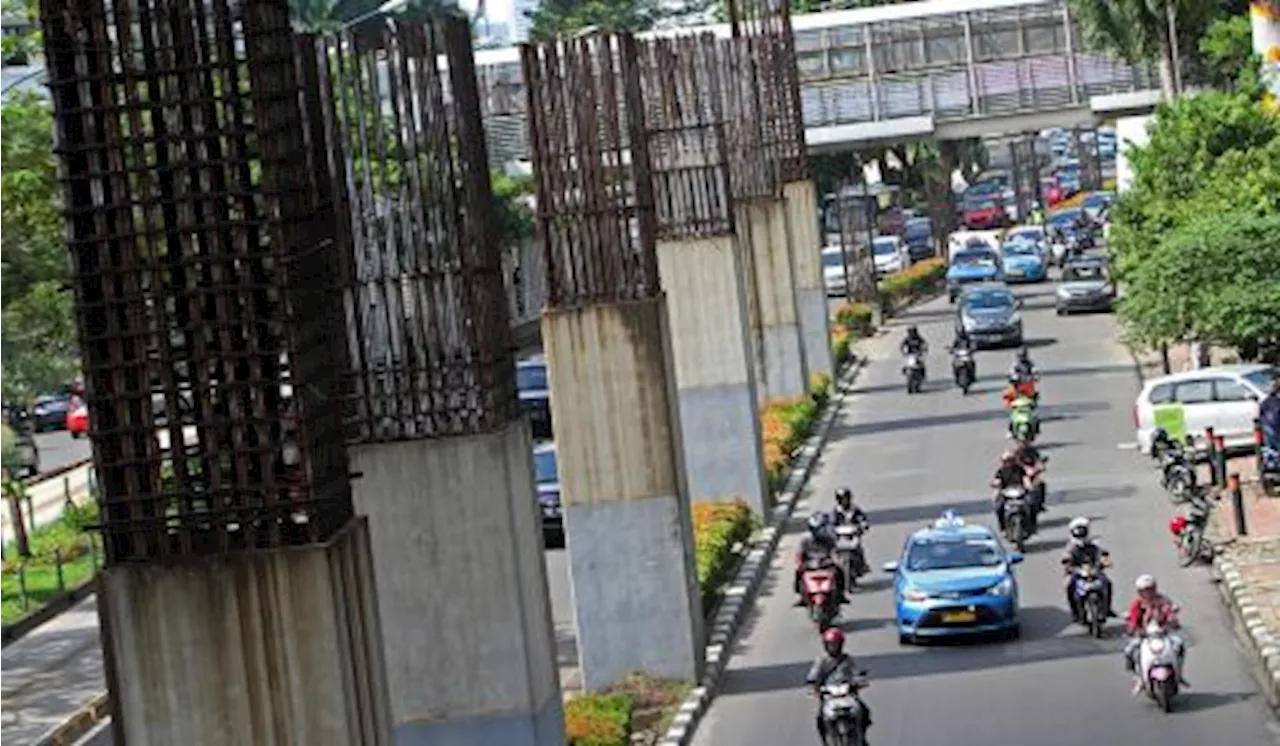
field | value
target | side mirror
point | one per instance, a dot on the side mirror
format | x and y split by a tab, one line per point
1015	558
890	567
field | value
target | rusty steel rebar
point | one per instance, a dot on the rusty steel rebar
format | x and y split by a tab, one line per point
201	253
428	324
856	237
595	207
754	171
681	84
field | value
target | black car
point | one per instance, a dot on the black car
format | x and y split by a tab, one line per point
49	412
546	477
535	395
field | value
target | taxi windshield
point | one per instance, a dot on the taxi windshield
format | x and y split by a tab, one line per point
952	553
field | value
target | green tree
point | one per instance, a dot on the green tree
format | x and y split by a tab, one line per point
1226	52
510	203
560	17
38	342
12	487
332	15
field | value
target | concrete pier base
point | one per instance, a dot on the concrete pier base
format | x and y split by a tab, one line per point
624	491
811	291
463	589
272	648
714	368
776	316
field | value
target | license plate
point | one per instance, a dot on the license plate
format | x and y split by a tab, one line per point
1015	273
959	617
842	703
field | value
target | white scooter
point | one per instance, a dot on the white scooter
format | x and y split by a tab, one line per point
849	552
1158	666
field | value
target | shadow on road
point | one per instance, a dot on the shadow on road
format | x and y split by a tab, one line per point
984	507
1033	344
1196	701
1053	413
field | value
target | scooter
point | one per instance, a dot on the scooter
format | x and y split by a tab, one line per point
819	584
1019	521
1089	586
1176	475
1158	666
849	551
844	713
1189	530
914	371
963	367
1023	424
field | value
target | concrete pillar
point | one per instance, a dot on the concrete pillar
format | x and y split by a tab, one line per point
714	368
777	317
623	491
470	645
274	648
811	290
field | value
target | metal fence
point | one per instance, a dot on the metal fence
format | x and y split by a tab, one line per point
202	245
595	220
428	325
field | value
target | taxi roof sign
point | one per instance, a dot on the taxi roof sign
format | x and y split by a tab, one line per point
949	519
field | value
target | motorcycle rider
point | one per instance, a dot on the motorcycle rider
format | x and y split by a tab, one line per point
1009	474
834	667
820	543
962	341
1023	369
913	343
1269	416
1082	550
1151	606
1033	462
847	511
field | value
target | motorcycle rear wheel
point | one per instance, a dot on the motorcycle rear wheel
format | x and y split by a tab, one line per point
1189	547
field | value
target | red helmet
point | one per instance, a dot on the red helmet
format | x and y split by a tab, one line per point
833	638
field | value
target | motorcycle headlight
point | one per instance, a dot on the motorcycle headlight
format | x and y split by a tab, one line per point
911	594
1003	588
1156	645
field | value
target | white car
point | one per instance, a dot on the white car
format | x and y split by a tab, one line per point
1223	397
889	254
961	240
833	270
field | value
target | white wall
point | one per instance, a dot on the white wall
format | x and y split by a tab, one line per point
1130	132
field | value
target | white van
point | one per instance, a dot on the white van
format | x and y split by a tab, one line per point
1224	397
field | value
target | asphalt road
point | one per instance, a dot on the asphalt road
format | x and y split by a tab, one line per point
57	449
908	459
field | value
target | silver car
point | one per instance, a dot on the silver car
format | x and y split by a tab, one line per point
1085	286
991	315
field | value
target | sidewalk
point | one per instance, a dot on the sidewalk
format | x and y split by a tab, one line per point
51	674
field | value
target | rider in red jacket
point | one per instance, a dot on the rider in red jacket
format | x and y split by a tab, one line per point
1151	606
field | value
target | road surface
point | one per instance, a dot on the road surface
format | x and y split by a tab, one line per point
908	459
58	449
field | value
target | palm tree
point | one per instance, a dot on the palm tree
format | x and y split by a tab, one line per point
1136	30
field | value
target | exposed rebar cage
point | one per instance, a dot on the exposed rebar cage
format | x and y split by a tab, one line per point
201	253
428	326
769	23
855	217
595	210
753	167
680	80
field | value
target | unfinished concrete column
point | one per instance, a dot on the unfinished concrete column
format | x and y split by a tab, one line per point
435	432
605	331
811	290
700	261
237	602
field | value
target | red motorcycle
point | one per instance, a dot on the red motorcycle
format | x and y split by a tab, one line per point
818	581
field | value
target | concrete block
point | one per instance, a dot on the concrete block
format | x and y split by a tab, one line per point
272	648
624	492
470	645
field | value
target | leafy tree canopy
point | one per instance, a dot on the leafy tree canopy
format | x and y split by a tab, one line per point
560	17
1226	52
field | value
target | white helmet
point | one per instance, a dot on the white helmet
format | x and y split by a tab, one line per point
1079	527
1145	583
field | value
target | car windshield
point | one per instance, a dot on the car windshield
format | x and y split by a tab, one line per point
1263	379
1083	273
883	246
1064	218
983	204
918	229
531	377
544	467
832	259
1032	235
971	258
1020	247
953	553
987	300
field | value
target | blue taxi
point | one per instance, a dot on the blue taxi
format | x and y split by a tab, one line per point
954	578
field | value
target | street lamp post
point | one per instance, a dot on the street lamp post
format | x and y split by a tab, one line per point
391	6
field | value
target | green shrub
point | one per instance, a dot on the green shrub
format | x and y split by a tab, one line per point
717	526
841	346
599	719
820	388
856	318
917	280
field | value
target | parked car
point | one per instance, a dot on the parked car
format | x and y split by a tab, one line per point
889	254
991	314
1023	262
918	236
954	578
535	395
978	265
78	418
833	276
49	412
546	477
1085	285
1224	397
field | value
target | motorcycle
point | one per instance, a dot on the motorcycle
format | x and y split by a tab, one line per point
1039	491
1270	476
1023	424
1019	520
963	367
1158	666
844	713
849	553
819	583
914	371
1089	587
1177	477
1189	530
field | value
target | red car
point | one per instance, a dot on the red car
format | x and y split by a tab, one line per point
78	418
984	214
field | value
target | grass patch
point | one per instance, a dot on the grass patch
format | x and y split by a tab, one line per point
63	541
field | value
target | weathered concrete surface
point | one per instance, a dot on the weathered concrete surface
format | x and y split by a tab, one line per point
811	291
624	491
775	317
462	589
713	363
268	648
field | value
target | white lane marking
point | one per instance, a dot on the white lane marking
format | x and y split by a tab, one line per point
1127	446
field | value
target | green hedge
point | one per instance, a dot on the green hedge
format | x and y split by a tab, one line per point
915	281
599	719
717	526
856	318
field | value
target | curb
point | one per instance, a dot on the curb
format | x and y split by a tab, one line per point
55	473
741	593
1262	646
86	719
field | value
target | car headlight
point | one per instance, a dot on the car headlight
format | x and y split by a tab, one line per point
1064	293
1015	319
1003	588
911	594
968	322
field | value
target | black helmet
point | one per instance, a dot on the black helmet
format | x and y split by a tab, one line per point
844	497
1023	352
912	331
1159	435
